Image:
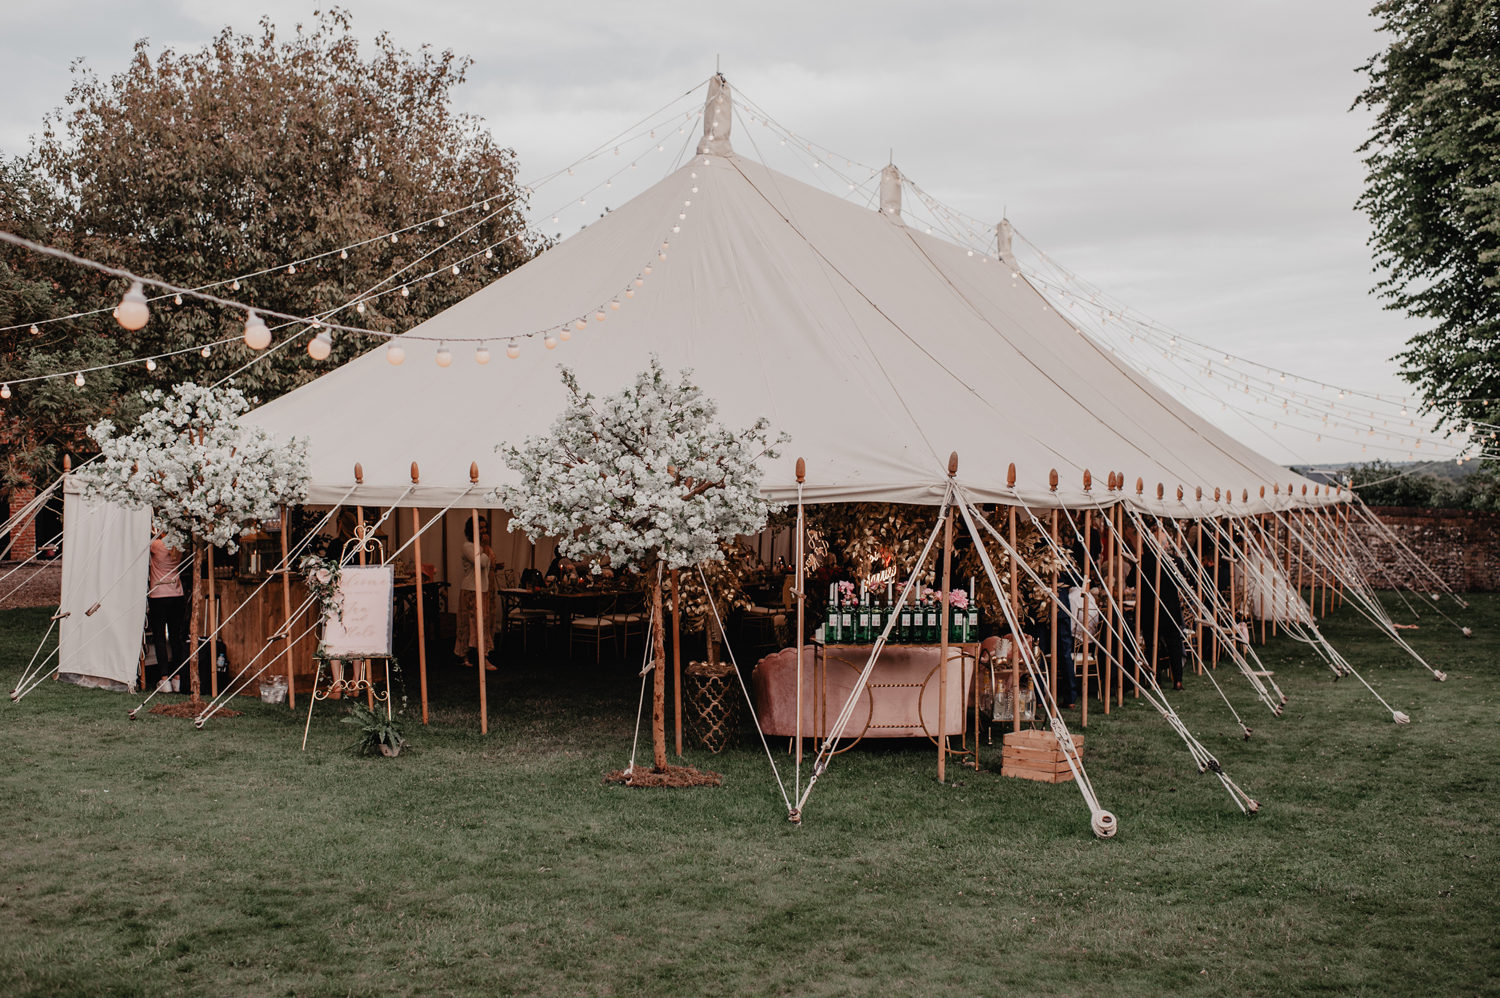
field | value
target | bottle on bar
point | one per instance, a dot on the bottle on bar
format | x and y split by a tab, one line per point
904	632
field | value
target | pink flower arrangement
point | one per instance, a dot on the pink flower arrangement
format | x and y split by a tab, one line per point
846	593
958	599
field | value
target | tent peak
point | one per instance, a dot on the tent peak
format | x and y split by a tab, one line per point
717	112
1003	235
890	191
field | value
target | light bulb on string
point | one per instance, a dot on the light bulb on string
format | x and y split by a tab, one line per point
405	291
78	379
455	270
581	324
291	268
639	282
395	354
132	312
615	304
444	356
150	364
599	315
489	254
177	299
549	341
206	352
343	254
234	285
512	349
565	334
481	354
257	335
34	330
630	292
393	237
360	308
646	269
442	224
4	391
320	346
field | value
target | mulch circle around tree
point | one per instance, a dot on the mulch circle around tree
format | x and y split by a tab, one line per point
188	709
672	776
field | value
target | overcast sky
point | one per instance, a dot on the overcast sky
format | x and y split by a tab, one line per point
1197	160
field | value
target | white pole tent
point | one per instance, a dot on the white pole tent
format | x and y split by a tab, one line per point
879	348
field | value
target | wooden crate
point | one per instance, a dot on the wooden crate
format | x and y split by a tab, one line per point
1034	755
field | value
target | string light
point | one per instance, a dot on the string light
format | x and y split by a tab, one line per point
405	291
581	324
481	354
177	299
343	254
512	350
455	270
78	379
395	354
257	334
615	304
320	346
4	391
34	330
444	356
489	254
549	341
599	315
206	352
150	364
291	268
132	312
234	285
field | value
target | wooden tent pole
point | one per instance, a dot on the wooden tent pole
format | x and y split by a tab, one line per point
479	592
362	666
1218	551
286	610
1198	584
1016	639
677	661
416	542
1106	607
1124	621
1088	638
942	722
1052	602
212	616
1140	590
801	569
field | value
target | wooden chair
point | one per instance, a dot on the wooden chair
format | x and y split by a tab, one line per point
593	630
629	617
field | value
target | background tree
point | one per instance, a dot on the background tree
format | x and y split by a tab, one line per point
647	477
252	152
1433	193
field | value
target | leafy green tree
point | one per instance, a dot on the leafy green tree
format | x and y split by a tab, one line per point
250	153
1433	193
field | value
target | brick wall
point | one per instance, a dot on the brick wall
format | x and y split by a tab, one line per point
22	542
1462	546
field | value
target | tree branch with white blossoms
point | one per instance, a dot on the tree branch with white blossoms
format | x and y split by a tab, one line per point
205	476
647	477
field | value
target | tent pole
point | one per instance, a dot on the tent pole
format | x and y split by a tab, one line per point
212	616
416	542
1118	513
479	592
1198	584
1156	603
1140	591
1107	556
801	606
1234	606
1088	637
286	610
362	666
1016	639
942	723
1052	603
676	663
1218	549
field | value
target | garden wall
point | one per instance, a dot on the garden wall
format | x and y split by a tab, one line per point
1462	546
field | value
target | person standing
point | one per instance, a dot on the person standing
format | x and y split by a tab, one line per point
465	644
166	609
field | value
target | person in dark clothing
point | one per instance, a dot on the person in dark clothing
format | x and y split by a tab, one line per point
1161	609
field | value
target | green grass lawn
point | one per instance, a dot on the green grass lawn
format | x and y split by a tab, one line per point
151	858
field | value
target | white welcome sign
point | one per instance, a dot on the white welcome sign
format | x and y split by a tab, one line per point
368	599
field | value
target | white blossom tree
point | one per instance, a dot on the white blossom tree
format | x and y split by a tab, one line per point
647	477
206	477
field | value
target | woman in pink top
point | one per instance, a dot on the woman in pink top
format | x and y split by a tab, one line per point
166	607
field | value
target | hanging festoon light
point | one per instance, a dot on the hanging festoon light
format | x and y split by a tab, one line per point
444	356
581	324
34	330
177	299
599	315
549	341
565	333
615	304
4	391
360	308
395	354
132	312
489	254
405	291
455	270
150	364
291	268
78	379
257	333
206	352
320	346
234	285
512	349
481	354
343	254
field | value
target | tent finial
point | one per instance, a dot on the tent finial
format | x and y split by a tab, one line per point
1052	479
415	475
1003	234
359	473
953	464
1140	486
1088	480
801	470
474	472
1010	476
716	118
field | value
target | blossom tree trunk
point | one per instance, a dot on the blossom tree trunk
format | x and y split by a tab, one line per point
658	680
192	608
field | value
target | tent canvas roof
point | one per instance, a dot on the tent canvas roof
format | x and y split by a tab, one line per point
878	348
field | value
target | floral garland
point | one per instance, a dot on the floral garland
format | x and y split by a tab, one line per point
322	576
